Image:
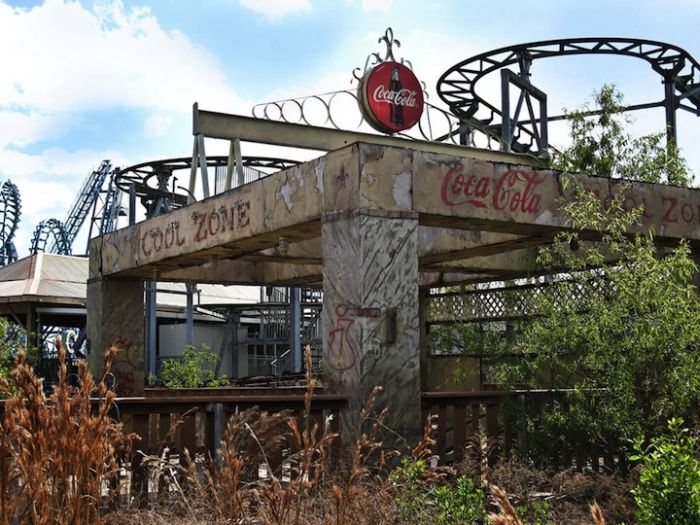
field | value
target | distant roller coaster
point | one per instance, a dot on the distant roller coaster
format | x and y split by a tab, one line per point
92	193
10	210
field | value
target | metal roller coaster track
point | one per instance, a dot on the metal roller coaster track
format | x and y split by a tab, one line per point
457	86
10	209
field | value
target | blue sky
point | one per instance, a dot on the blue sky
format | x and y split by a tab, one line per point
82	81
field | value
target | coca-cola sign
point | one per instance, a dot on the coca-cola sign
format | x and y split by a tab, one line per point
514	191
391	97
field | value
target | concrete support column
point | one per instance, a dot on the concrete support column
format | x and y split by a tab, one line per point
115	315
370	316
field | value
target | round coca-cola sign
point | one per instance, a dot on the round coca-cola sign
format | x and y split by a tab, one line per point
391	97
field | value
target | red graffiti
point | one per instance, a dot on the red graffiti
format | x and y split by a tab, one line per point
514	190
341	353
671	210
224	219
123	368
205	224
155	239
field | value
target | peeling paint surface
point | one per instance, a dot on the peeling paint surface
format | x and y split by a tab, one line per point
361	274
402	190
286	194
318	171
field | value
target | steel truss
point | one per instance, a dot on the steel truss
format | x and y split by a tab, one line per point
154	182
457	86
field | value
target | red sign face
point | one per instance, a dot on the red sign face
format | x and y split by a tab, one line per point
391	97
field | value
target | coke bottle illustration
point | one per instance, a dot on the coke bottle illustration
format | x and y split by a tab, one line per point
396	111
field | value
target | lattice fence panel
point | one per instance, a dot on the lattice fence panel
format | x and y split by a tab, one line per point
515	302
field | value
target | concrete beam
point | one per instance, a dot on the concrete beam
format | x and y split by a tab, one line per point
226	126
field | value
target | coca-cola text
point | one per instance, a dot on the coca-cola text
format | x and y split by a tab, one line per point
514	190
404	97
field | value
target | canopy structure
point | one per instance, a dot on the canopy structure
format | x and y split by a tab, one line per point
371	223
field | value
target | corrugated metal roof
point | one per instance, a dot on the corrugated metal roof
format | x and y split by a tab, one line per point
61	279
45	277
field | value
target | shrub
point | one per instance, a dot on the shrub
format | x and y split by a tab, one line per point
420	498
462	504
192	370
669	484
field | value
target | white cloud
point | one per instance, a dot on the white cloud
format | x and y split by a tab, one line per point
20	128
275	9
376	5
62	60
61	57
156	125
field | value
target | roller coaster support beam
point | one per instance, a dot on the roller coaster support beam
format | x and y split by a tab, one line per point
670	105
527	90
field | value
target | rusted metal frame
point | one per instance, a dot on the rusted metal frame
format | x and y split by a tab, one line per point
228	127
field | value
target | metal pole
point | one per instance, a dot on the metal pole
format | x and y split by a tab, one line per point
506	132
233	325
544	127
239	161
151	326
193	171
670	107
463	133
229	166
189	313
295	327
132	204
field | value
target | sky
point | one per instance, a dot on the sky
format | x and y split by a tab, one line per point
88	80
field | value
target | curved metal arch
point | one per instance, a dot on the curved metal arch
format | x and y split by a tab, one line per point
10	211
55	228
456	87
150	179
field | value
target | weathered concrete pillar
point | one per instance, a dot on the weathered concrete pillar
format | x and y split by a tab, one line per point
370	313
115	314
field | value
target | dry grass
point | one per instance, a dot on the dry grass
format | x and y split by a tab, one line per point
506	513
59	454
305	482
597	514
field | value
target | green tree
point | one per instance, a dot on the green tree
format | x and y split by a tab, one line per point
624	336
602	146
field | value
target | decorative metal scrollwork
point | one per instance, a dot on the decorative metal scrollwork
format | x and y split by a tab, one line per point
375	58
340	109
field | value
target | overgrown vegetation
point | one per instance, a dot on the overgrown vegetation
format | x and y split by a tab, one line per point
195	368
10	345
669	484
623	329
61	458
59	453
602	146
